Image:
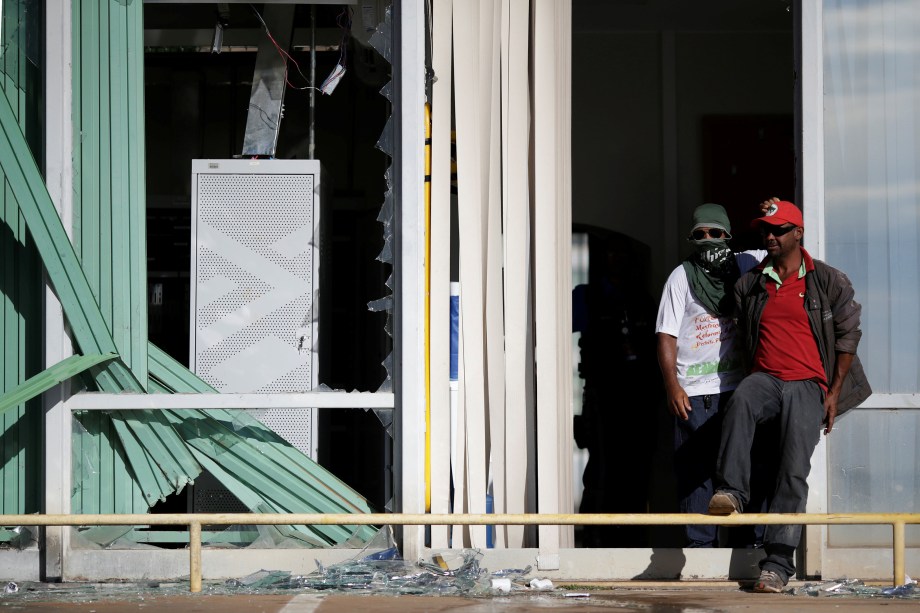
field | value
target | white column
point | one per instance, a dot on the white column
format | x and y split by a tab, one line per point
410	337
59	173
809	40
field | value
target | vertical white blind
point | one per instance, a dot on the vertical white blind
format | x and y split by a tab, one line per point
439	268
508	73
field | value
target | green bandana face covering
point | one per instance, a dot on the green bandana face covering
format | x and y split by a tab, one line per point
712	249
712	271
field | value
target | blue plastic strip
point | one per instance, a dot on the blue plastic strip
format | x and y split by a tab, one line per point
454	331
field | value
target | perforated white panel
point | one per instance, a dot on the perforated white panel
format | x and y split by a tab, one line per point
255	244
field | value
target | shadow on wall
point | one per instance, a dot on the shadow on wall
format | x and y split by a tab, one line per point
615	314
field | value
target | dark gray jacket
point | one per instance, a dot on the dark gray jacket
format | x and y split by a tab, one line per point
832	313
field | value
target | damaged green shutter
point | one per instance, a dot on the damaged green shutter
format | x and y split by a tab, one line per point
109	204
109	230
124	461
20	270
129	460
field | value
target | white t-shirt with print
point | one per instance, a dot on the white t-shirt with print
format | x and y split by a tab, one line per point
708	359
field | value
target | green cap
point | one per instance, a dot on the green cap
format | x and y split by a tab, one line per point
711	215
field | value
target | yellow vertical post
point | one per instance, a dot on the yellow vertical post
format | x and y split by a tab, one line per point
427	308
898	552
194	552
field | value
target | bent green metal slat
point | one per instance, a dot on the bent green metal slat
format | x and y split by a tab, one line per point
109	208
159	439
57	253
255	503
264	441
171	376
20	274
77	300
262	463
45	380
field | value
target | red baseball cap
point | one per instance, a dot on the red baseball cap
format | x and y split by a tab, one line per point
780	213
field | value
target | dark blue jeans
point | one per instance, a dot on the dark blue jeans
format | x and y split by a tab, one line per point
797	410
696	446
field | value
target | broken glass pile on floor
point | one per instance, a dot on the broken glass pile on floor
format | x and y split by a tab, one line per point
855	587
386	573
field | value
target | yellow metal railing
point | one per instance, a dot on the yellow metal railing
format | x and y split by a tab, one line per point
194	521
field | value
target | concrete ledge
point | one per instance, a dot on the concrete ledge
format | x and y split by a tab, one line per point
575	564
163	564
630	564
20	565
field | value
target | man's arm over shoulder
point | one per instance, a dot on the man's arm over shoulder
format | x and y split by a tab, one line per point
742	288
749	259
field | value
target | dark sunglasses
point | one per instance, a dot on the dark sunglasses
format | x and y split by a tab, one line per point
777	231
699	235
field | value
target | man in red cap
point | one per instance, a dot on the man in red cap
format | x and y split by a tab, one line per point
799	327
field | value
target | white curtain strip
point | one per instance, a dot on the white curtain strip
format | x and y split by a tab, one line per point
519	383
511	114
552	274
439	269
460	535
495	328
563	91
470	97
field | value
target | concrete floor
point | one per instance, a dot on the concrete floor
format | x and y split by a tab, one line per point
689	599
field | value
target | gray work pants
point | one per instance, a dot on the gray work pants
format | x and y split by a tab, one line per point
798	407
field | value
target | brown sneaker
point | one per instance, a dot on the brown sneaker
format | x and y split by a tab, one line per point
769	583
724	503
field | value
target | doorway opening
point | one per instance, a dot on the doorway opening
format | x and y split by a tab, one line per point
674	104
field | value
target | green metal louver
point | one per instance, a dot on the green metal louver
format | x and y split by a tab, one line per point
21	320
260	468
109	205
50	377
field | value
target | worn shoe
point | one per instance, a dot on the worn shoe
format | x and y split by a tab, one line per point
724	503
769	583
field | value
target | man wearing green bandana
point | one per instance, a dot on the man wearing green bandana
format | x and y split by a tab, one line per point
699	360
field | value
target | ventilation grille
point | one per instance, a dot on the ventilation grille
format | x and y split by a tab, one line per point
210	496
254	288
254	282
293	425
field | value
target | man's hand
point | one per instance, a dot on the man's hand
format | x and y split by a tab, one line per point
841	368
678	402
766	204
830	410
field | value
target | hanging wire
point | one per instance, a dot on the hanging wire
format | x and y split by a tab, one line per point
343	20
266	118
284	55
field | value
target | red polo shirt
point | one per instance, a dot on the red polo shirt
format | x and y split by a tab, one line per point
786	347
